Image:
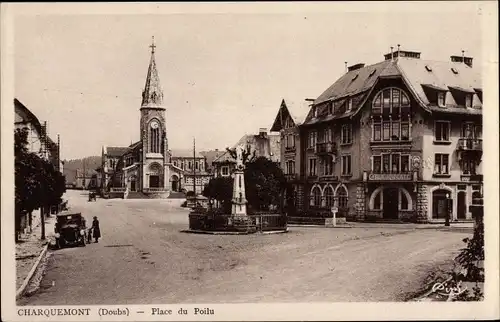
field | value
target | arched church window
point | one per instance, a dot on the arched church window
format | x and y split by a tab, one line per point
154	137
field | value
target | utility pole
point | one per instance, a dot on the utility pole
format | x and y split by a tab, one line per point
194	169
43	207
83	179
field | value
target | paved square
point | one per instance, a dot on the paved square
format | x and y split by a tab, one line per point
143	258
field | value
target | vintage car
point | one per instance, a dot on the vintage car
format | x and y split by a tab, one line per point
70	229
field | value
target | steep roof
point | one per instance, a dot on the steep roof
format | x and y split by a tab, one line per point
116	151
297	111
444	75
417	74
358	81
211	155
30	117
152	96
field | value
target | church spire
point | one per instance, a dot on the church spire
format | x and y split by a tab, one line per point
152	96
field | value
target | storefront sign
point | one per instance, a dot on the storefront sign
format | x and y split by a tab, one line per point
390	177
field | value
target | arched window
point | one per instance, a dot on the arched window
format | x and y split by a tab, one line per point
395	102
329	197
342	197
316	197
154	136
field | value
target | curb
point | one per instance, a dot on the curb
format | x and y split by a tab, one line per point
20	291
203	232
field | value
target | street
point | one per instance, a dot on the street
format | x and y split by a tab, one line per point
144	258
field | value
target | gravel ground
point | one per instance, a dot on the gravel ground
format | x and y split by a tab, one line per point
143	258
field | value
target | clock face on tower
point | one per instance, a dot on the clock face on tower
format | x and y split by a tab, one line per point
154	125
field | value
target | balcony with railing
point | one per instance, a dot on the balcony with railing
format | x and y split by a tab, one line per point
469	144
326	148
291	176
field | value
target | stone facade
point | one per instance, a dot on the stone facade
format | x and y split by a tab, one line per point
360	202
422	203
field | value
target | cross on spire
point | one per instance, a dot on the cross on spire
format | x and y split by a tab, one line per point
153	46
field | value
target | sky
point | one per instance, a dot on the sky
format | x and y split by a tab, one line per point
223	74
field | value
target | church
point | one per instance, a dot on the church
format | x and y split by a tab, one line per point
144	168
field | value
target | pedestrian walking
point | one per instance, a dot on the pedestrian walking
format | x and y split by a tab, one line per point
96	229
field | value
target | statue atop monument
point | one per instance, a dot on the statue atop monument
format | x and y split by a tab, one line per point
239	156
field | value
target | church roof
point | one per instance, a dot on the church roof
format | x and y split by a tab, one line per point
116	151
152	96
184	153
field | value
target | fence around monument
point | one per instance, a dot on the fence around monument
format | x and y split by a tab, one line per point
256	222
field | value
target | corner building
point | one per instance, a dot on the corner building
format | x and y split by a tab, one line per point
389	141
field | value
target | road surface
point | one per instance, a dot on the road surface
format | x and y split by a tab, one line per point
143	258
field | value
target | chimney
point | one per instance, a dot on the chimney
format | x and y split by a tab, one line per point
345	63
355	67
263	132
402	53
462	59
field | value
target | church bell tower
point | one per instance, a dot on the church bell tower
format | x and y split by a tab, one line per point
153	132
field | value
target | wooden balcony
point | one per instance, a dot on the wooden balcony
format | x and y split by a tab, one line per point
465	144
326	148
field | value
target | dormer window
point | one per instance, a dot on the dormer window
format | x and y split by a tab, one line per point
330	108
315	111
355	76
373	72
468	100
454	70
441	99
428	68
349	104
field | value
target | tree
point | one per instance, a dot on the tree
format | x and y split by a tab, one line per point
27	185
37	183
248	155
265	183
220	189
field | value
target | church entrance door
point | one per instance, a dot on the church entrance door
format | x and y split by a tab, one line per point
154	181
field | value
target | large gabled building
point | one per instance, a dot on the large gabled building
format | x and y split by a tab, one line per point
393	140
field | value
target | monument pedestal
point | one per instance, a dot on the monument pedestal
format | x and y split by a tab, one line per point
239	202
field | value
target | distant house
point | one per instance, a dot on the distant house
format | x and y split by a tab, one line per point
262	144
190	168
38	140
39	143
210	156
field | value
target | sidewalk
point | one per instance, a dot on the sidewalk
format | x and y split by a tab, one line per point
29	248
453	226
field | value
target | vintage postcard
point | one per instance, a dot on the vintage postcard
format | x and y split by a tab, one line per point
249	161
